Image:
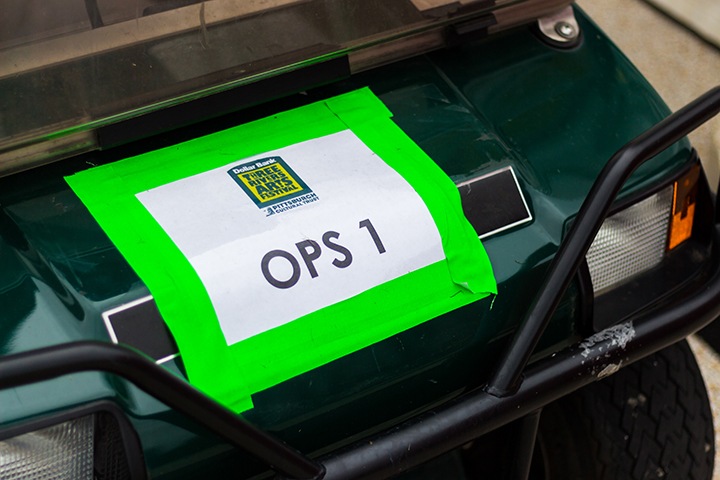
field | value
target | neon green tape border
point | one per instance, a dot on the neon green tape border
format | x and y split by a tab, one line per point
232	374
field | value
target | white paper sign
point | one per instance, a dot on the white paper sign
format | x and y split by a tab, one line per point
279	235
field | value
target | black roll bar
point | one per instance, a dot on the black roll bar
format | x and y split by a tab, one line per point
571	254
477	413
176	393
463	419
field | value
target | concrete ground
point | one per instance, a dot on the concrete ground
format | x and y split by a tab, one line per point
709	362
681	66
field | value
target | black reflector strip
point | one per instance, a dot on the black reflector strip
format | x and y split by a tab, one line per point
139	325
494	202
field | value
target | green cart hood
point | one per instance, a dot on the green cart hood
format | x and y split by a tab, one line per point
555	116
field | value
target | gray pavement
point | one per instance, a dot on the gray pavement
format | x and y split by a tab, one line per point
710	367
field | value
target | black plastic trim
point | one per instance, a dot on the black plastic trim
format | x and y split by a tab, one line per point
587	300
470	30
526	437
93	12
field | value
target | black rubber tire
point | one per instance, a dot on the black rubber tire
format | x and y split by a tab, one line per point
651	419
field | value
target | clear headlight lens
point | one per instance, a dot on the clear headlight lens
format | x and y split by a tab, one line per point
88	447
637	238
63	451
630	242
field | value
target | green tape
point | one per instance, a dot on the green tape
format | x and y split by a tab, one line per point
232	374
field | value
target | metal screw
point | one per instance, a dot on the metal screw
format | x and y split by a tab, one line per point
565	30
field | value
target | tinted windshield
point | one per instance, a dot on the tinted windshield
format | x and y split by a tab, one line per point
68	66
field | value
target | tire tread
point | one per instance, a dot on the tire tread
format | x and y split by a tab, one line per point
651	419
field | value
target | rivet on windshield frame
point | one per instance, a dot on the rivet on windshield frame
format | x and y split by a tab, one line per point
565	30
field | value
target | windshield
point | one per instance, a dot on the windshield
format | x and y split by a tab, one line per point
69	66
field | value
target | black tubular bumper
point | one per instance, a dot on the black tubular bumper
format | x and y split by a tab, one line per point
476	413
514	390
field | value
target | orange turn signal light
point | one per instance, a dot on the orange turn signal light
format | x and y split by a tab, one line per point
683	207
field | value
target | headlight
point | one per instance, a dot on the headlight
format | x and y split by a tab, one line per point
61	451
631	241
87	447
638	238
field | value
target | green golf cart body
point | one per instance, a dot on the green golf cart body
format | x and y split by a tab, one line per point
525	100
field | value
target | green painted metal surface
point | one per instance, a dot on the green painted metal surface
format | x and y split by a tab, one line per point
555	116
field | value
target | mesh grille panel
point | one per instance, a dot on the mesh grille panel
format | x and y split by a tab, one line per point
111	462
631	241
